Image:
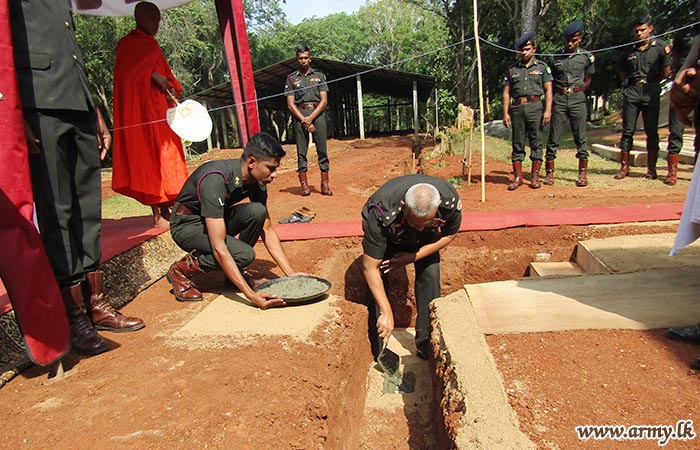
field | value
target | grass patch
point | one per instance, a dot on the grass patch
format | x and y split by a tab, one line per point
119	206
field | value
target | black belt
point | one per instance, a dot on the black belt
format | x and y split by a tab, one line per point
307	105
526	99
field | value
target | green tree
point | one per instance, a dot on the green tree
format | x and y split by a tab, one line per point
97	38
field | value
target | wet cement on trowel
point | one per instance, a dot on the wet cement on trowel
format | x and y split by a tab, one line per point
231	315
411	381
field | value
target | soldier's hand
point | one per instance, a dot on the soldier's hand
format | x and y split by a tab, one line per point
265	301
104	138
685	93
506	120
385	325
307	122
546	117
397	261
33	144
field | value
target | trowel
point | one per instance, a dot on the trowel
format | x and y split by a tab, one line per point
388	361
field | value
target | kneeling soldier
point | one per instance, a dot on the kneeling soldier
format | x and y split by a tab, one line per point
208	213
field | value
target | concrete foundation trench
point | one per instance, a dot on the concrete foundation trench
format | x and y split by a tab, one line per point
303	377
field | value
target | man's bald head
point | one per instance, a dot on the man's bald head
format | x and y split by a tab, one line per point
147	17
422	200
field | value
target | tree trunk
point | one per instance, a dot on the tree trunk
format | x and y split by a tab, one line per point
529	16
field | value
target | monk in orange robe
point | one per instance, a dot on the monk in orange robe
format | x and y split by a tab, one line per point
148	159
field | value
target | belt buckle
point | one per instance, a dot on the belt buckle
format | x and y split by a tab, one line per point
568	90
642	81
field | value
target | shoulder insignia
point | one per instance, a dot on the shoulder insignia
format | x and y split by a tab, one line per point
591	58
549	70
237	182
451	203
667	49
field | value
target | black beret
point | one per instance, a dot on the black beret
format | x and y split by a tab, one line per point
524	39
573	28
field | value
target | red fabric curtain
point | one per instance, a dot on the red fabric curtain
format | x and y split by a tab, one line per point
235	37
24	267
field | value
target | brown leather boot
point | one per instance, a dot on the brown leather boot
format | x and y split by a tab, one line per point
624	165
325	187
517	176
672	177
104	316
549	173
83	336
180	276
652	156
582	173
304	184
535	175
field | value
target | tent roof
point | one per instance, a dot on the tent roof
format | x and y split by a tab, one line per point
118	8
269	82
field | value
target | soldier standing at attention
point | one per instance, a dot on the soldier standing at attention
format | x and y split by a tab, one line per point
307	97
572	71
526	83
682	42
641	70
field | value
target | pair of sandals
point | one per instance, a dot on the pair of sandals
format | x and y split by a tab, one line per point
302	215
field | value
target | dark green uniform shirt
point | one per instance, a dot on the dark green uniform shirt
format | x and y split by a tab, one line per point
383	221
570	69
682	43
216	185
306	88
648	63
527	81
50	69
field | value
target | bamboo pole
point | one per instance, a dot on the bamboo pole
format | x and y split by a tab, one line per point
481	104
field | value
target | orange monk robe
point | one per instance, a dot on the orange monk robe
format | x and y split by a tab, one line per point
148	160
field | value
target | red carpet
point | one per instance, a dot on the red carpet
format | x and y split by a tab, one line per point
500	220
121	235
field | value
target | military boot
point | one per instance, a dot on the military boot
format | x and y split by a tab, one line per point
624	165
517	176
104	316
303	180
582	173
180	276
535	175
83	336
672	177
325	186
549	173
